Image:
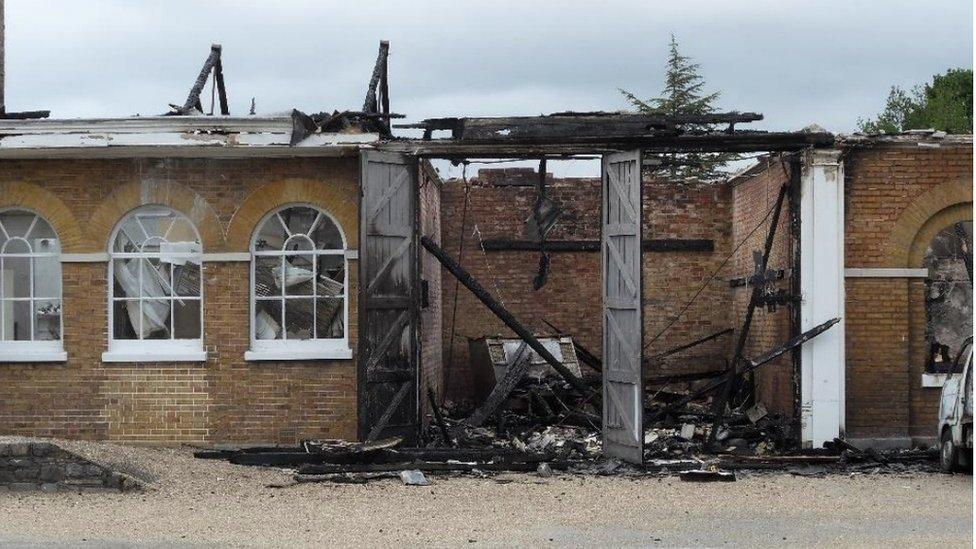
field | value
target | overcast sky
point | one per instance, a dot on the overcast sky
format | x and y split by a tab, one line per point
795	62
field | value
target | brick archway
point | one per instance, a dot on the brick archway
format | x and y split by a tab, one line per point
132	195
51	208
337	197
929	213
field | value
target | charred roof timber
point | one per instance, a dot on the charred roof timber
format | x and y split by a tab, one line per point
594	132
213	65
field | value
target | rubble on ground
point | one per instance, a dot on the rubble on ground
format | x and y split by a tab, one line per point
544	426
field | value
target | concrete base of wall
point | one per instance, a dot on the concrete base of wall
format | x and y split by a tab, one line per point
893	443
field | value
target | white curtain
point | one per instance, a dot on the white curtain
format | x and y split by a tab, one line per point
154	313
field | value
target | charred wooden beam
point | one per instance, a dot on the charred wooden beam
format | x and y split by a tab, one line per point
719	404
506	317
748	366
193	99
741	281
596	142
651	245
689	345
218	73
312	473
570	123
438	417
376	88
24	115
499	394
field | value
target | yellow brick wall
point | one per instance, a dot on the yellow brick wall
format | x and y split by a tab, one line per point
224	399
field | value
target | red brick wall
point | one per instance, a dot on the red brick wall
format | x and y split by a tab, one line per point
571	299
753	198
224	399
897	198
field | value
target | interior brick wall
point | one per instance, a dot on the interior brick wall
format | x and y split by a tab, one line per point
222	400
572	297
754	196
431	316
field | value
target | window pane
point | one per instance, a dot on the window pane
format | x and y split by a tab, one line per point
267	275
271	236
155	278
331	275
298	318
47	276
156	221
130	236
47	320
16	275
156	319
125	319
329	318
125	275
326	235
42	230
267	320
298	274
186	319
300	243
299	219
16	222
22	319
186	279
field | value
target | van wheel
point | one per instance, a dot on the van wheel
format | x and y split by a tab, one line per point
948	454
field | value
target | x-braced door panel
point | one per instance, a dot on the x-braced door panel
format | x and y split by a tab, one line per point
389	298
622	326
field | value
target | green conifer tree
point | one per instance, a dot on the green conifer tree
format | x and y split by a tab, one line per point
683	94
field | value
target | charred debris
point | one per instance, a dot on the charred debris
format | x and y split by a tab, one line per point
544	413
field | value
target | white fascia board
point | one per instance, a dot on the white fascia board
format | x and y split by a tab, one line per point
189	136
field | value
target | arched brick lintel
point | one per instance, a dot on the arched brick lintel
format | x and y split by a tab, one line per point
132	195
928	214
338	197
45	203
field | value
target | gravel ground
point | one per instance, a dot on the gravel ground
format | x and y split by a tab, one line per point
194	502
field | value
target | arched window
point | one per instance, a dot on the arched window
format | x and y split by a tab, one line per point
298	286
948	294
156	301
30	288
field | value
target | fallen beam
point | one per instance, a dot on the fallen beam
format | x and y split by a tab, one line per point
687	346
425	466
748	366
506	317
499	394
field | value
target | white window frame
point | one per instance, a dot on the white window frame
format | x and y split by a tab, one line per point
33	350
151	350
307	349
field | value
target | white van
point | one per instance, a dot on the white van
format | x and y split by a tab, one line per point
956	413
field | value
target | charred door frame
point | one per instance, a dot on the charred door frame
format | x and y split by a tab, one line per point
369	427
